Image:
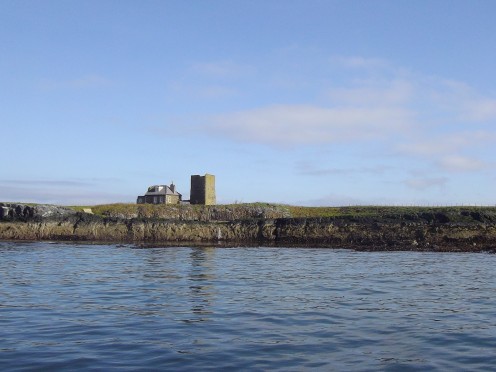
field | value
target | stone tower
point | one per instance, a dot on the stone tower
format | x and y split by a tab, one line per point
203	190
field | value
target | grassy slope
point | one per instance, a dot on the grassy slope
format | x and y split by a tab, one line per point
377	211
148	210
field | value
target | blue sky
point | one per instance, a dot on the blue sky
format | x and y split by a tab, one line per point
311	102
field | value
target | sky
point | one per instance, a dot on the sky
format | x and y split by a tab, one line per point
308	102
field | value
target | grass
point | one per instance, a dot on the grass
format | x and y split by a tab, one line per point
150	210
132	210
255	210
379	211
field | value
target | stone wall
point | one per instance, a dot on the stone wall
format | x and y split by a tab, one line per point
203	190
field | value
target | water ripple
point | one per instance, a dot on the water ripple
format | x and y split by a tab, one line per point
98	307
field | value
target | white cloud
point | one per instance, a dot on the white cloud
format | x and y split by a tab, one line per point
393	92
447	152
460	100
427	148
480	109
356	101
385	103
453	142
461	163
305	124
308	169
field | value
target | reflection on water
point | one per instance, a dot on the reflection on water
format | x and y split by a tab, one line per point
201	276
69	307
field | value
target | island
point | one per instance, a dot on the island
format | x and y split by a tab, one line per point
371	228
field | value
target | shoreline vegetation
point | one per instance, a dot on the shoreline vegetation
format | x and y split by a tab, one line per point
382	228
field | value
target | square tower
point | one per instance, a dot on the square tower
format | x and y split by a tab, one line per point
203	190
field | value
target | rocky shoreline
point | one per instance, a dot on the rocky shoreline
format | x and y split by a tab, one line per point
471	232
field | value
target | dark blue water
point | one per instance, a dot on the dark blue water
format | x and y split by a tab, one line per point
101	307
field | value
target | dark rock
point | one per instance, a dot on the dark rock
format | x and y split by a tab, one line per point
22	212
4	212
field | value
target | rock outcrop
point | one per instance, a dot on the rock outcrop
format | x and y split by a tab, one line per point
24	212
471	231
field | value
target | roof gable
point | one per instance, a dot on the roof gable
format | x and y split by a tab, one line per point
161	190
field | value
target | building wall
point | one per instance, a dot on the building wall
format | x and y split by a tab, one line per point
197	192
172	199
203	189
210	198
158	199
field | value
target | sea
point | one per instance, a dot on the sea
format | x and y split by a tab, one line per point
108	307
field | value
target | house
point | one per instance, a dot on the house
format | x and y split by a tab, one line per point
160	194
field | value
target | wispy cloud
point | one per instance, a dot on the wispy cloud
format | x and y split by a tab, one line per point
284	125
481	109
221	69
307	169
461	163
461	101
451	142
373	93
448	152
431	120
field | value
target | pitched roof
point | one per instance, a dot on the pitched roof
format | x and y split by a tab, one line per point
160	190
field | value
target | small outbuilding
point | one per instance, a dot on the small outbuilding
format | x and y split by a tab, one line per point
161	194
